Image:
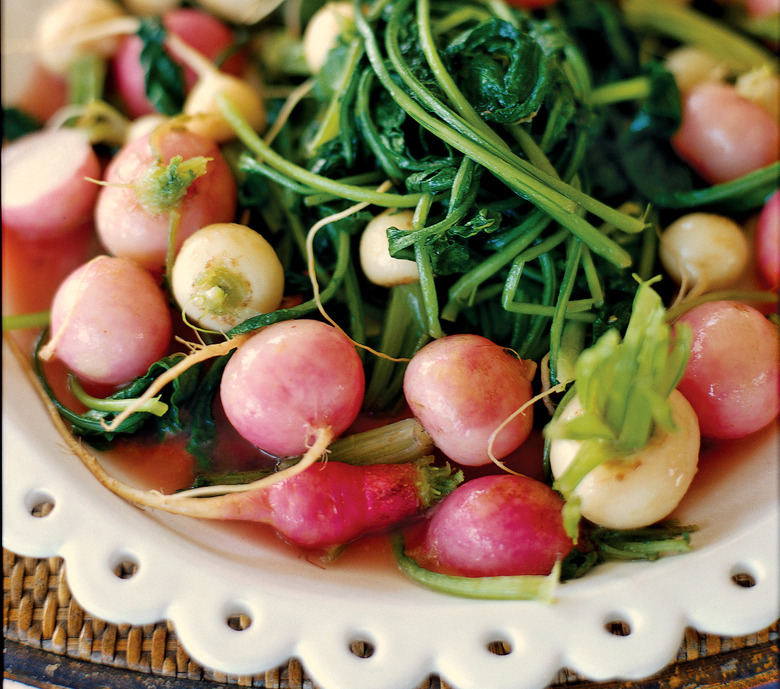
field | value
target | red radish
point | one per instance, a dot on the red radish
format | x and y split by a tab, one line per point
733	376
109	321
762	8
291	383
324	507
462	388
44	190
44	94
723	135
497	525
767	243
132	220
198	29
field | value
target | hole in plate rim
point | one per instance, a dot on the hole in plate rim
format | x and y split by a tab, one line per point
40	502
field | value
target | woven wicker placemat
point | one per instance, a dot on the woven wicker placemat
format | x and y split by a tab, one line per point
40	614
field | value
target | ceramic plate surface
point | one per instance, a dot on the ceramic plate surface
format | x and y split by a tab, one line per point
199	574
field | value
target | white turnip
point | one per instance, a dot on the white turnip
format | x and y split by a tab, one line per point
109	322
57	33
643	487
44	190
378	265
323	30
462	388
226	273
702	252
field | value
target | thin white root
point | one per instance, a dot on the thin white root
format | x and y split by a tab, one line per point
289	105
199	353
313	274
317	450
491	441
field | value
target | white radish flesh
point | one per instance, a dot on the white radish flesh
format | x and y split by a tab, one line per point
704	252
378	265
57	50
44	190
226	273
642	488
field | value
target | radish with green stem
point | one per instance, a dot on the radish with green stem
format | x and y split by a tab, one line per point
733	377
462	388
45	193
322	508
226	273
109	322
625	445
702	252
293	387
158	190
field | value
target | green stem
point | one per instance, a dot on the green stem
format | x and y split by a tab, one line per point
266	154
151	406
690	26
520	180
22	321
637	88
527	587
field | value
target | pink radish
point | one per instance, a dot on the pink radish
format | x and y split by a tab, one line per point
132	219
723	135
291	384
198	29
767	243
109	321
462	388
733	376
322	508
497	525
44	190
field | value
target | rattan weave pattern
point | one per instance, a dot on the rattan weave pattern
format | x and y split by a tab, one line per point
39	611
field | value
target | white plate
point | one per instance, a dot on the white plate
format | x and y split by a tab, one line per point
199	574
